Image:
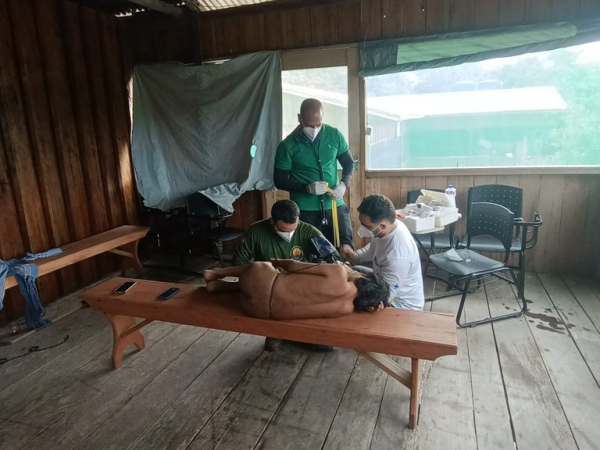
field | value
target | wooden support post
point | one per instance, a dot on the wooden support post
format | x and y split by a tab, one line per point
125	333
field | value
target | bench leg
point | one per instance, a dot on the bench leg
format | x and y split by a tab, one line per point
125	333
414	395
410	380
129	252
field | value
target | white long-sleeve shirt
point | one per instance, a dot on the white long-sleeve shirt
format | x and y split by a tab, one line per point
396	260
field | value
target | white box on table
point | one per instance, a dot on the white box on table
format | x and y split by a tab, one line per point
435	198
416	224
445	216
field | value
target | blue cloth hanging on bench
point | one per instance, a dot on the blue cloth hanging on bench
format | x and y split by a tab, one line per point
25	273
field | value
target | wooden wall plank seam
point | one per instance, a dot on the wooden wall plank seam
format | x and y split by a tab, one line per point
116	90
550	205
37	110
84	117
538	11
63	122
19	157
460	15
511	12
588	8
415	18
531	203
486	13
232	37
565	10
299	28
591	236
95	70
11	244
276	30
323	25
392	18
80	82
370	20
356	21
253	29
438	16
348	22
572	226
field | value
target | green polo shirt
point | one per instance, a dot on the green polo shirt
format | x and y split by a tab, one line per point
262	243
297	154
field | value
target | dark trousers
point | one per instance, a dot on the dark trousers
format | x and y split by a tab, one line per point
315	218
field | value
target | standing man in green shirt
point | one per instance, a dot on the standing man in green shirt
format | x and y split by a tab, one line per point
283	236
306	162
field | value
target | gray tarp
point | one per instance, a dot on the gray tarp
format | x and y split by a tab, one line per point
196	128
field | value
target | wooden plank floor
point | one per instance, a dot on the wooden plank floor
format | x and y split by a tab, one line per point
526	383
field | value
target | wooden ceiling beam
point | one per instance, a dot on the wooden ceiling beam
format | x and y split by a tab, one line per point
194	5
271	6
159	6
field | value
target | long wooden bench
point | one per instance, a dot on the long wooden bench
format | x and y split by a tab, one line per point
122	241
413	334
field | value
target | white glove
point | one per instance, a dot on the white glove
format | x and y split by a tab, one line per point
317	188
338	191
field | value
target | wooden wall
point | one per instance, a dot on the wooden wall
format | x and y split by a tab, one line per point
65	166
65	159
322	23
154	37
568	240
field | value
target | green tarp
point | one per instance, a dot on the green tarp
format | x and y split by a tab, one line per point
408	54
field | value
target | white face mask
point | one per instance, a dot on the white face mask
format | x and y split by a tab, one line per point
311	132
286	235
364	232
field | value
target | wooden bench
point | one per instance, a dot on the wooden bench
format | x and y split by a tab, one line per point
122	241
414	334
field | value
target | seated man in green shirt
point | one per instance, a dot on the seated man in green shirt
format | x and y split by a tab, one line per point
283	236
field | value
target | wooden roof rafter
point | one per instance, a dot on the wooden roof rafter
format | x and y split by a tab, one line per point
160	6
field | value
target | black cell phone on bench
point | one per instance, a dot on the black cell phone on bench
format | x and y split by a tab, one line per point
125	287
168	293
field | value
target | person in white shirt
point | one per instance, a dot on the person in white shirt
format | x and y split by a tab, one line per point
392	252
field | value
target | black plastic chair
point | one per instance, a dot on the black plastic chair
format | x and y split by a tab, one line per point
207	222
432	242
490	220
525	234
